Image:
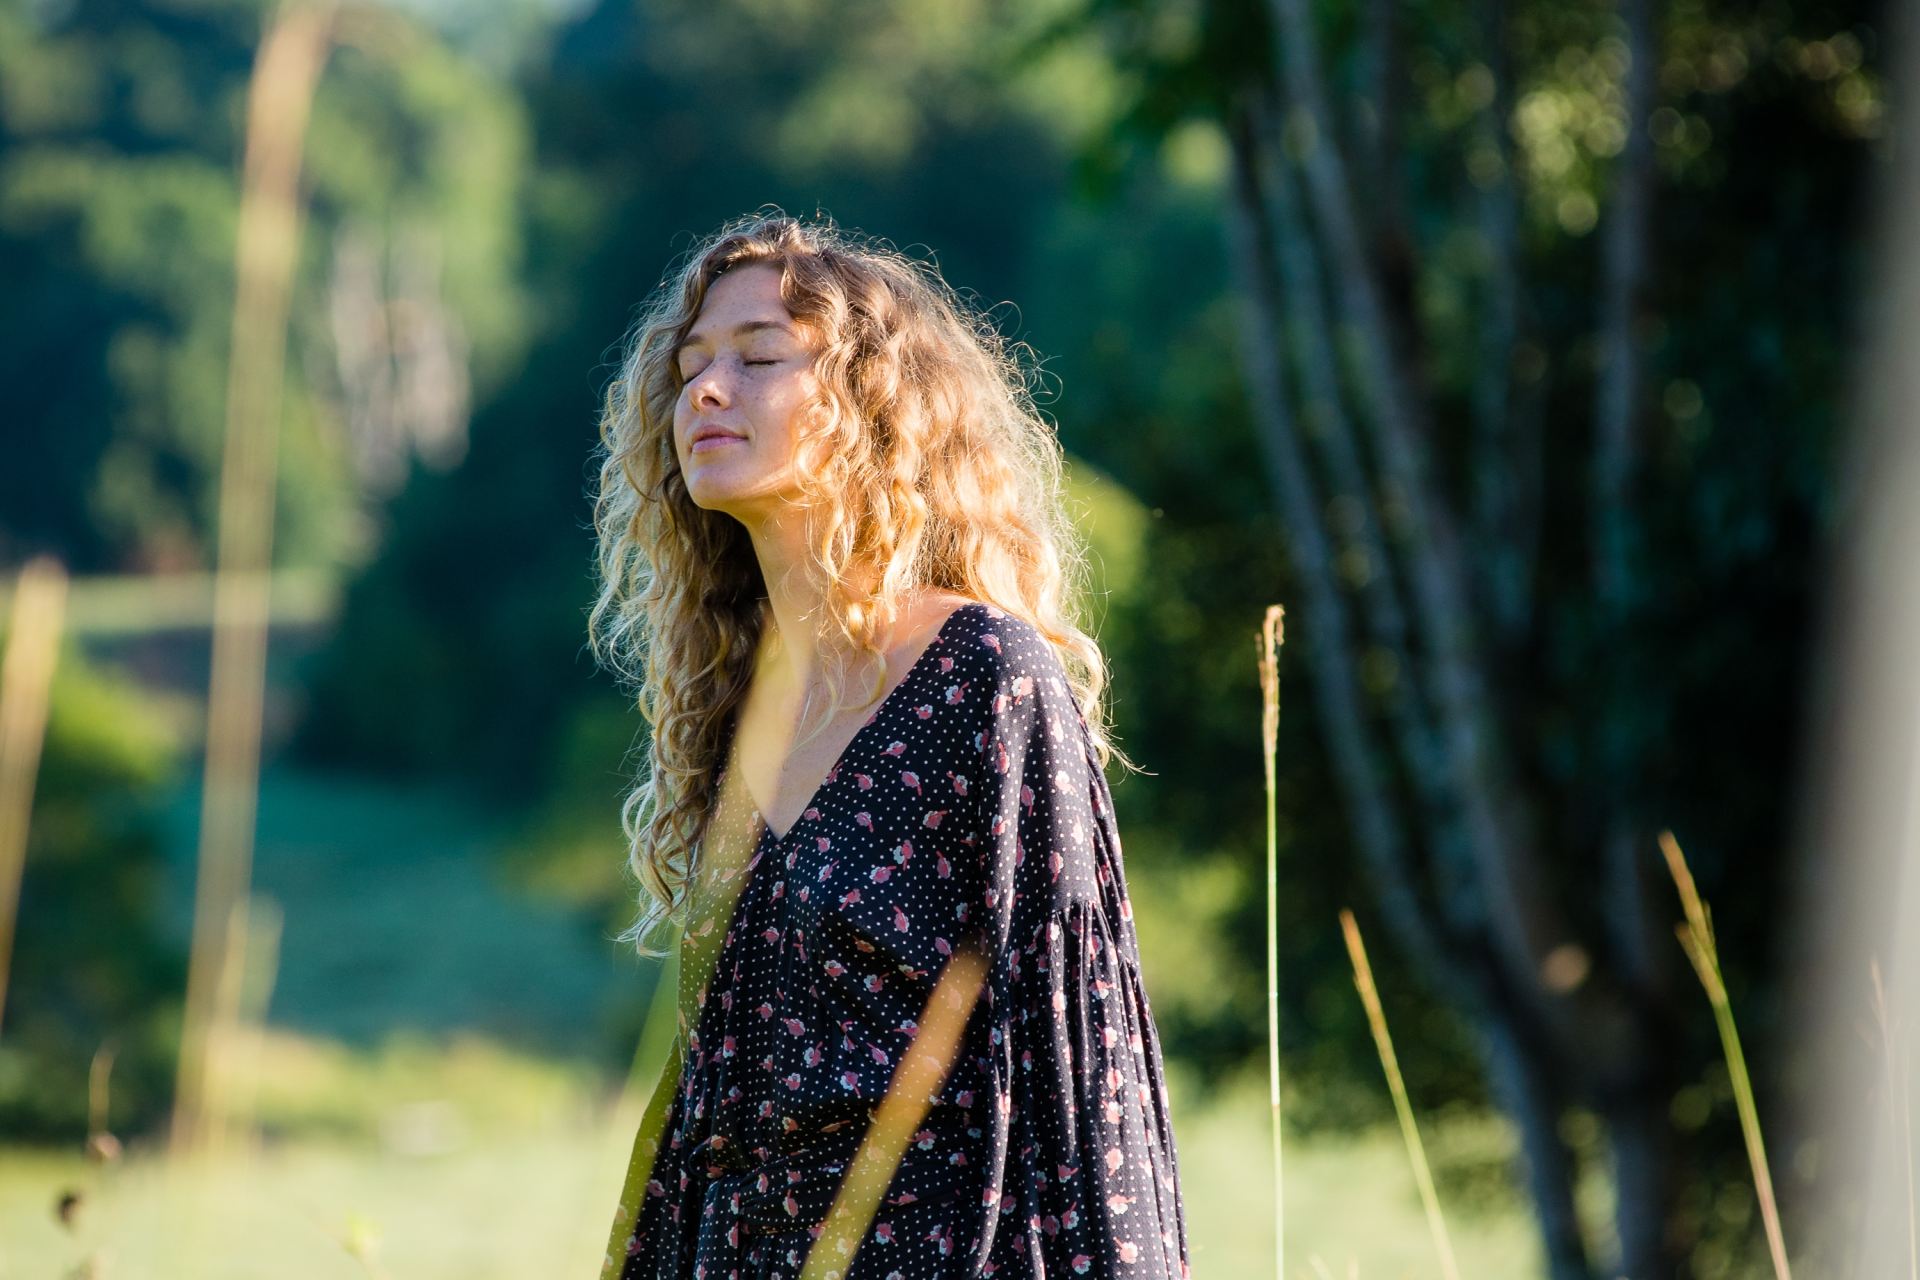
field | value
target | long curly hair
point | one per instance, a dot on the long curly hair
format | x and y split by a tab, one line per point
925	465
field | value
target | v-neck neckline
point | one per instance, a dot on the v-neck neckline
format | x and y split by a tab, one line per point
833	770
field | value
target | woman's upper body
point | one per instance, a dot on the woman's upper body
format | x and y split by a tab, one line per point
822	470
968	810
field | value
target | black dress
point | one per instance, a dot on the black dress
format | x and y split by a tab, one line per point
969	808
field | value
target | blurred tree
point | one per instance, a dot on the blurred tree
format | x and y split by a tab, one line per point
118	151
1507	642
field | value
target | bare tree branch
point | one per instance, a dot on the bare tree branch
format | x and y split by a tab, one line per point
1303	295
1521	917
1506	569
1378	827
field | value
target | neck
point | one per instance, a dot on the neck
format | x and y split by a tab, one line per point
796	650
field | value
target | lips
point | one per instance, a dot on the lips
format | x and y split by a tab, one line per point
711	438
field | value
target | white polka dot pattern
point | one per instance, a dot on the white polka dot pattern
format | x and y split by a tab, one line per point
968	809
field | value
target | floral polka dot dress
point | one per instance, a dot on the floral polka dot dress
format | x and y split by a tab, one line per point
969	809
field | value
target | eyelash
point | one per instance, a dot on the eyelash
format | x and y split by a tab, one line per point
689	377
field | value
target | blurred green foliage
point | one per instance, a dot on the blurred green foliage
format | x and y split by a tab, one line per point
1059	155
93	966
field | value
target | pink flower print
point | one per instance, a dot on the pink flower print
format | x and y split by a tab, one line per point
963	1099
903	854
1117	1203
1128	1251
990	640
1071	1218
896	749
959	783
820	843
794	1026
879	1054
883	1232
771	934
1054	863
924	1139
727	1047
1107	1036
779	890
765	1011
873	982
1114	1159
1114	1111
826	870
1026	798
900	923
1022	687
1113	1079
863	820
835	969
933	817
792	1205
1082	1264
911	781
924	711
1066	1171
792	1081
880	874
941	867
850	1081
863	782
813	1057
944	947
946	663
850	897
957	693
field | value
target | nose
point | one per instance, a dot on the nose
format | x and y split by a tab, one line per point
707	389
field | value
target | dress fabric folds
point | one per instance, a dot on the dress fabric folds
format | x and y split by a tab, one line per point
968	810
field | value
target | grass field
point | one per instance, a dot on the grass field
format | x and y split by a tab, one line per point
430	1113
465	1161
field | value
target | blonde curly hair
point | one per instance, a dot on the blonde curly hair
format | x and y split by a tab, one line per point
926	465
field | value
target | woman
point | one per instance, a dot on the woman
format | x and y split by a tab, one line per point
820	469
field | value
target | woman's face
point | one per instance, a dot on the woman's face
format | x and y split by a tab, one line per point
747	375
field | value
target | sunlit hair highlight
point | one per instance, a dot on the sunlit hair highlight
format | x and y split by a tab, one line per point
924	465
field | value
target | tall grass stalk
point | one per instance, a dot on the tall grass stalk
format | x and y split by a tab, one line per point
922	1069
1696	938
1377	1019
1897	1099
26	681
292	51
1272	636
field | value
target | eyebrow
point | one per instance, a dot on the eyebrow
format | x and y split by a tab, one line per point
739	331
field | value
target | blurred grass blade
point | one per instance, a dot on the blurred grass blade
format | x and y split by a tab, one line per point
1696	937
1898	1100
1377	1019
1272	636
922	1070
26	681
293	49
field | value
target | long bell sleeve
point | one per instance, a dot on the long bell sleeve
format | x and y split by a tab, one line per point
1082	1177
